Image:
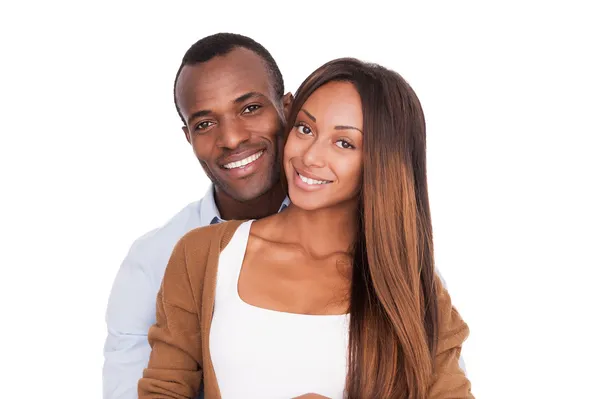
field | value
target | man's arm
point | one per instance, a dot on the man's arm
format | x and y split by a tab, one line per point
130	313
174	370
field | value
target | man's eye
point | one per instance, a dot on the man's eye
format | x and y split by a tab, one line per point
303	129
251	108
204	125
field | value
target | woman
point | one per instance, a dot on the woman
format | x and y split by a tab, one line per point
336	296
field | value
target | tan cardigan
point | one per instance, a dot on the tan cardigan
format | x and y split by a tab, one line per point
180	359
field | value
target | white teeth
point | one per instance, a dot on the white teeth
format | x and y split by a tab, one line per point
243	162
308	180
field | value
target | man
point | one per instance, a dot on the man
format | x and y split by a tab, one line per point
229	94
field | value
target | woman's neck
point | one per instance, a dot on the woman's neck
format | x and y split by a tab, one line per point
324	232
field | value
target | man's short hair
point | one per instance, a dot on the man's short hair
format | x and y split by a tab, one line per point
221	44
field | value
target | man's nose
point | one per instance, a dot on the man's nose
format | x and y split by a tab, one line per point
232	134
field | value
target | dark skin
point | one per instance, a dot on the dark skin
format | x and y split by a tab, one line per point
231	113
299	261
234	122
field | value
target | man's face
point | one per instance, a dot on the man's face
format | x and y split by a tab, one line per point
234	122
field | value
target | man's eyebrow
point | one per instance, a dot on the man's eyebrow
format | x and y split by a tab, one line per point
198	114
309	115
240	99
247	96
346	127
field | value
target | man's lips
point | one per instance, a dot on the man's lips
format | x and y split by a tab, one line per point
241	158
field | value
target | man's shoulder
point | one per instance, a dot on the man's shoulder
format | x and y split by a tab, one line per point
155	246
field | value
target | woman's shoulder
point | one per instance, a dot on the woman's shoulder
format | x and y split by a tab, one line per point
204	236
195	251
453	330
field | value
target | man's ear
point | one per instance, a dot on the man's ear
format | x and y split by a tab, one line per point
288	99
187	134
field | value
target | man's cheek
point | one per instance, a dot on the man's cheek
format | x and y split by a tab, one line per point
207	170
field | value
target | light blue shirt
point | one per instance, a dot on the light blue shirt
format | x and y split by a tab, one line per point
132	303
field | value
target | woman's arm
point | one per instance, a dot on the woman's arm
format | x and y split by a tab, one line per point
174	369
449	380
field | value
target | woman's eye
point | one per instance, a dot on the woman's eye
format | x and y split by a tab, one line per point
303	129
343	144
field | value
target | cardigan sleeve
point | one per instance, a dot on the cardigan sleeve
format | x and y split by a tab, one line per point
174	369
449	380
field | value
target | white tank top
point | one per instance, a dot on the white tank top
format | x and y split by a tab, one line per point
267	354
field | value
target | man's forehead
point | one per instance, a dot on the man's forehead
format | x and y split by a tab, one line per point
232	75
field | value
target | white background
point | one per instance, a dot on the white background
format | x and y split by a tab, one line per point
92	156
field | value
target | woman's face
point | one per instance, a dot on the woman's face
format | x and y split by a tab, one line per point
323	154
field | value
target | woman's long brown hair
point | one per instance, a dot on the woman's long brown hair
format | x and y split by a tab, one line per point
393	301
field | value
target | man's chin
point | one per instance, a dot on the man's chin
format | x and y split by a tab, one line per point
248	193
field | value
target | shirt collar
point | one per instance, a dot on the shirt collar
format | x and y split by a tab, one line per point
209	213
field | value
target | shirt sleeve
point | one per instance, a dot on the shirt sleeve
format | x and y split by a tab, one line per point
174	368
130	313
